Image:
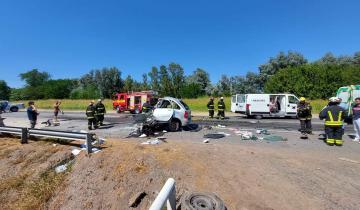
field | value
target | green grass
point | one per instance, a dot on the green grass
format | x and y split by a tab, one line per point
198	104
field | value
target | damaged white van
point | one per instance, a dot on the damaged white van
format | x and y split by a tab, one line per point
265	105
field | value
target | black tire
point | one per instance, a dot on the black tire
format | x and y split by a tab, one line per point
14	109
258	117
174	125
201	201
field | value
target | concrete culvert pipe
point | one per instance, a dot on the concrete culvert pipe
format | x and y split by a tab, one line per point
201	201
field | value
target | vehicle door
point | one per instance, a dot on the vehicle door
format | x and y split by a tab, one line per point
291	106
238	103
163	110
178	111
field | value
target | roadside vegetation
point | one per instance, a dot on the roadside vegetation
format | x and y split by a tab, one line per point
287	72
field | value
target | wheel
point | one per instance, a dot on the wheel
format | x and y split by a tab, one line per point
258	117
201	201
118	110
14	109
174	125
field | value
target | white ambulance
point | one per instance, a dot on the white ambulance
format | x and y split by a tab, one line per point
265	105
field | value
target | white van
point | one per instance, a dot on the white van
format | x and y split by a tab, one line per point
265	105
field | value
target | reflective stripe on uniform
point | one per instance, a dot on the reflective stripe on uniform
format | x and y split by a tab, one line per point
331	122
90	117
338	141
330	141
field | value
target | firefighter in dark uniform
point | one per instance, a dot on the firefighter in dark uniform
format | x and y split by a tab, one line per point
211	107
334	116
100	112
221	108
90	113
146	107
304	115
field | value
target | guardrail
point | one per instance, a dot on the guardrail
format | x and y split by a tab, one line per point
25	133
167	195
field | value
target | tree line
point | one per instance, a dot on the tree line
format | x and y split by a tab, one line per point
286	72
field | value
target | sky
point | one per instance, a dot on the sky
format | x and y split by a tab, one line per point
68	38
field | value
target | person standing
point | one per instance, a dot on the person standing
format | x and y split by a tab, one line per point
211	107
304	115
146	107
90	113
100	112
356	119
56	111
334	116
221	108
32	114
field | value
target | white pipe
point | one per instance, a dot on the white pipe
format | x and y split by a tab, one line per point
10	129
167	194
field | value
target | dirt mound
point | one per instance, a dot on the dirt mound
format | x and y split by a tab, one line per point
27	178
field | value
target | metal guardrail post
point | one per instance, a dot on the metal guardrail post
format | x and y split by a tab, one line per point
168	195
24	135
88	142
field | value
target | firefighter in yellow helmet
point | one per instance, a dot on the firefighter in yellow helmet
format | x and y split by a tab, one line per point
304	115
334	117
91	115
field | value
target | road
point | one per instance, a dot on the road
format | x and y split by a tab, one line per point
129	119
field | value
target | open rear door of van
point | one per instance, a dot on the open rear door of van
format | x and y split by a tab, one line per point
238	103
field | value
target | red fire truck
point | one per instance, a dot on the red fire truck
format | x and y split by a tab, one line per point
133	101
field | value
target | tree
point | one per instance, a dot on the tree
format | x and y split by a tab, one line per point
58	89
145	85
108	81
328	58
200	77
128	84
224	86
356	58
35	78
191	90
281	61
165	89
177	78
154	79
4	90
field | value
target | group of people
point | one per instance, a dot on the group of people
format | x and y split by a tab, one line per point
220	106
95	114
334	116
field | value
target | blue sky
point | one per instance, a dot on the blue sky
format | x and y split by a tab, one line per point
68	38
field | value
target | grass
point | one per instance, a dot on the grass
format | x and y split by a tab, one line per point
198	104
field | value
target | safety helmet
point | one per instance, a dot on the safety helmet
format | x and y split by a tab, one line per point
92	101
302	99
221	98
99	100
333	99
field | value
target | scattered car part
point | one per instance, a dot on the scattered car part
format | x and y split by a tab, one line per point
201	201
214	136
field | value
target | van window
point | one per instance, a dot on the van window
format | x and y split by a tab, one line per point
241	98
292	100
233	99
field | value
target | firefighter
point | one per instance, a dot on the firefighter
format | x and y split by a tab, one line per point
100	112
304	115
146	107
90	113
221	108
211	107
334	116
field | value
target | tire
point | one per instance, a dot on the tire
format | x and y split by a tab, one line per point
137	111
174	125
201	201
118	109
14	109
258	117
